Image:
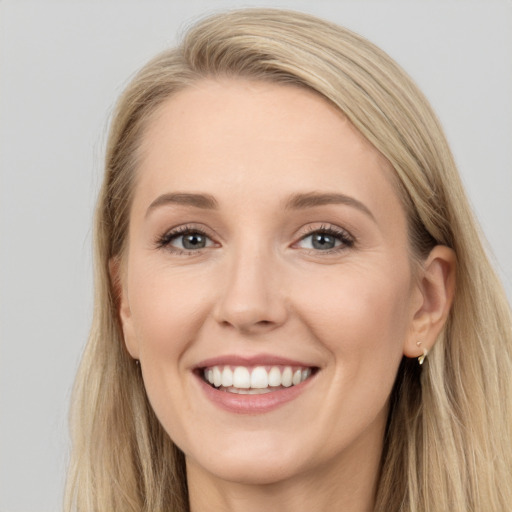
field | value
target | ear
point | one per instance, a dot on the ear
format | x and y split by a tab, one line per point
123	305
435	290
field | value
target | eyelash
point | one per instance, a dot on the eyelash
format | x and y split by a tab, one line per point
347	241
164	241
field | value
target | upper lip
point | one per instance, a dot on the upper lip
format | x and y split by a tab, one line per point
254	360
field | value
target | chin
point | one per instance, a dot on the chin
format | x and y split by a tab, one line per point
252	472
251	459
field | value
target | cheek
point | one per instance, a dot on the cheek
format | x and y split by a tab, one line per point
167	309
362	320
359	307
361	316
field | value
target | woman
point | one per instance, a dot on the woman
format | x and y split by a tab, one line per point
294	309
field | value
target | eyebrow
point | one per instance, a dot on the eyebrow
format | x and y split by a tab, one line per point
203	201
312	199
295	202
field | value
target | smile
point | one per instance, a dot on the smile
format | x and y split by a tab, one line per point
255	380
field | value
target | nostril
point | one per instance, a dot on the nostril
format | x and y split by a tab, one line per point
245	325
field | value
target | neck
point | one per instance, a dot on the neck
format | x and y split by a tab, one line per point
348	484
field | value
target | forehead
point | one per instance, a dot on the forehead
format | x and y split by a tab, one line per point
257	137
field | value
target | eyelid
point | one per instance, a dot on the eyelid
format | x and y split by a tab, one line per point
346	238
164	241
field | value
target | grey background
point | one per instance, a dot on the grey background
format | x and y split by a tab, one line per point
62	64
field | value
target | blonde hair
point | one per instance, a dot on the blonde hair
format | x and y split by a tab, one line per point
448	442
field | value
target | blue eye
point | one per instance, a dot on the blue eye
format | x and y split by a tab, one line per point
190	241
325	240
185	240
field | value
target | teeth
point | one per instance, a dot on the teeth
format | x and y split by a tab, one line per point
241	378
286	377
274	377
217	376
227	377
259	379
254	391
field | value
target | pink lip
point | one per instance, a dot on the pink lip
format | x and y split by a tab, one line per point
250	404
256	360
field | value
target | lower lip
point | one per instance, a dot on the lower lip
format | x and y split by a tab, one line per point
252	404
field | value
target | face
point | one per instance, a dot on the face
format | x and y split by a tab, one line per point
267	287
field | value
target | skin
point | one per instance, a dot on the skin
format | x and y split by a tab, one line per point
260	287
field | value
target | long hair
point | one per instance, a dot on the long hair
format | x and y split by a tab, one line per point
448	441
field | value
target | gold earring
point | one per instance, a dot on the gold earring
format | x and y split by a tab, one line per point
421	359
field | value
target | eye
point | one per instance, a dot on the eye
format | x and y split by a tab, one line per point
326	239
319	241
191	241
185	239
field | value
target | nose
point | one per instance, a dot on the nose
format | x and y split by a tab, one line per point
252	297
